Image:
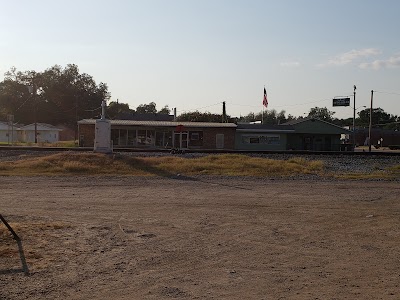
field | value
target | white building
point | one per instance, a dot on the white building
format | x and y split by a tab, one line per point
46	133
8	132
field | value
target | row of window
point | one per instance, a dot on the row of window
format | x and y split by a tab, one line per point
162	138
158	138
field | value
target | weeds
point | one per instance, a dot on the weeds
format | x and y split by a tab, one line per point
96	163
71	163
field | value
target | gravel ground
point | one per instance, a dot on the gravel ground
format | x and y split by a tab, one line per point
333	163
158	238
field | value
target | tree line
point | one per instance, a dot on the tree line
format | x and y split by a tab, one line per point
63	96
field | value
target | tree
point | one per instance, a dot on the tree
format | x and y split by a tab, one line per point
59	96
281	118
268	117
115	108
165	110
200	117
147	108
379	118
321	113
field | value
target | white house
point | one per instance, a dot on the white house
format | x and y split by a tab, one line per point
8	132
46	133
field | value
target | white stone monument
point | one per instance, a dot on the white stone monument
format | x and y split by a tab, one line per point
102	137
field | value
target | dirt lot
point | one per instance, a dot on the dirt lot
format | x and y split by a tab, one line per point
200	238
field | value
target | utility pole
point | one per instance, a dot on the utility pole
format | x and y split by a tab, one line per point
370	122
354	119
32	90
35	112
224	118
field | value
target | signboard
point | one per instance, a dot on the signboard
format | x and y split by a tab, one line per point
341	102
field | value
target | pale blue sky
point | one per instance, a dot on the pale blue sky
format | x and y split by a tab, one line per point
193	55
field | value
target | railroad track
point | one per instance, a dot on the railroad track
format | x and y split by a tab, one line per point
133	150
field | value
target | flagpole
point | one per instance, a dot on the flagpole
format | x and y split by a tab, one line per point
262	114
263	105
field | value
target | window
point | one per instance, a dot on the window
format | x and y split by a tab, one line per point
131	137
146	138
196	138
163	139
261	139
141	137
254	140
273	140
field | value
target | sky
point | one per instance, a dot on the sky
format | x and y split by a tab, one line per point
194	54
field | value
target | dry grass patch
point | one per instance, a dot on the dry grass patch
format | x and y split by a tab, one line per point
38	232
361	176
97	164
236	165
389	173
395	170
67	163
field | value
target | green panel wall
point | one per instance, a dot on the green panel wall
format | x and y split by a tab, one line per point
240	145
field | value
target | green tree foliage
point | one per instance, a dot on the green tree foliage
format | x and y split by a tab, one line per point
270	116
147	108
321	113
58	96
151	108
165	110
201	117
379	118
114	108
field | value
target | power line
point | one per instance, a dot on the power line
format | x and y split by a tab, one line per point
256	106
299	104
390	93
196	109
22	104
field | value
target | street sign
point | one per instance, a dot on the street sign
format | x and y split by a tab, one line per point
341	102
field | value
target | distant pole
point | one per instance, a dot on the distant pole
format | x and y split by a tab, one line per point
370	121
103	110
32	89
34	101
354	119
76	119
224	118
262	114
12	129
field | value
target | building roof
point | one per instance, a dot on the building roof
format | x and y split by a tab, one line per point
300	120
163	123
304	120
40	126
264	128
145	117
4	125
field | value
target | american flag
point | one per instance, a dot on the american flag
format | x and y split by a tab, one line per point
265	100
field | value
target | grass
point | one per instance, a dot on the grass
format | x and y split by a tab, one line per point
102	164
377	173
71	163
365	176
63	144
